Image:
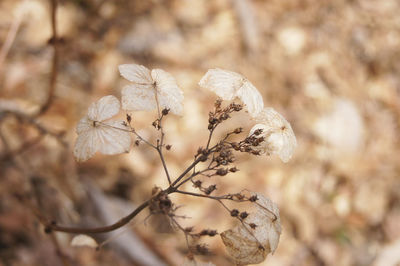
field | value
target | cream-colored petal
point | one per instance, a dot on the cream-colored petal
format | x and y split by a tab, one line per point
84	240
114	138
137	74
103	109
223	82
86	145
169	94
85	124
251	97
138	98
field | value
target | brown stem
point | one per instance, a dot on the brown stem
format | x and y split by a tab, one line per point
54	66
97	230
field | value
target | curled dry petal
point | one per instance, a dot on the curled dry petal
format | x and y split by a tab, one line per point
252	241
230	85
148	88
278	135
84	240
96	134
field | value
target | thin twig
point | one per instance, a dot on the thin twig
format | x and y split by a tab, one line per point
54	66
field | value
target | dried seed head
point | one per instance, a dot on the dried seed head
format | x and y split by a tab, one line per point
234	213
244	215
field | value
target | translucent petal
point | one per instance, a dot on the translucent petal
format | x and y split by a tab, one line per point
223	82
170	95
84	240
243	250
251	97
138	98
85	124
113	138
137	74
103	109
86	145
278	134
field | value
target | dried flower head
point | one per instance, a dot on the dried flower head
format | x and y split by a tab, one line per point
95	133
278	136
251	241
150	88
230	85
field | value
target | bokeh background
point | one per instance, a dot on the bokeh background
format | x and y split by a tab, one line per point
332	68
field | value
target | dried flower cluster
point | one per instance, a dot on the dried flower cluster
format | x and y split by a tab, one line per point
258	231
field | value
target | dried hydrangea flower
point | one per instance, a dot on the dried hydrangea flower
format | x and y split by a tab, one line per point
278	135
95	133
148	88
252	241
230	85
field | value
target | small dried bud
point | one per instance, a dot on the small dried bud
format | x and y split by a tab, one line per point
238	130
202	249
203	158
224	116
221	171
197	183
208	232
244	215
165	111
168	147
210	189
128	118
252	225
212	120
253	198
48	230
154	124
210	126
257	132
234	213
233	169
137	142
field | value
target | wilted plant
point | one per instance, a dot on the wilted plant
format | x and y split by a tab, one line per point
258	230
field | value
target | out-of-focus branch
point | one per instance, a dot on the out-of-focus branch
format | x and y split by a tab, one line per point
54	67
9	40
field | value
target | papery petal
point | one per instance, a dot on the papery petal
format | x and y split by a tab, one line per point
251	97
223	82
114	137
85	124
103	109
137	74
84	240
138	98
169	94
243	250
86	145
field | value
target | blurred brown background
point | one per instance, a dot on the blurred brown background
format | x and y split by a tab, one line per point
332	68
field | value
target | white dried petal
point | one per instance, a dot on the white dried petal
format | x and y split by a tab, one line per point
230	85
169	94
137	74
251	97
135	98
114	137
242	249
147	85
84	240
223	82
103	109
278	134
108	137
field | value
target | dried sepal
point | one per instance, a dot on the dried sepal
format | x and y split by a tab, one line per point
277	133
97	134
230	85
257	235
83	240
150	88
